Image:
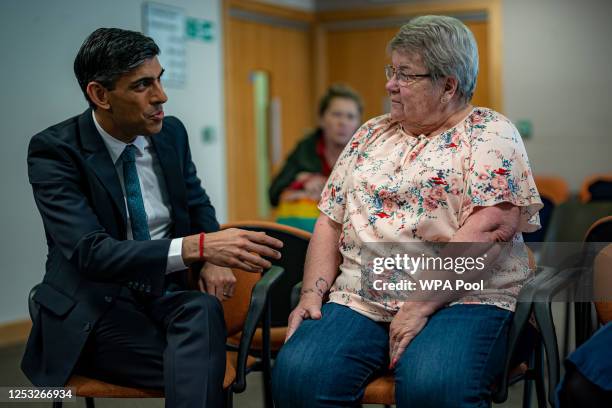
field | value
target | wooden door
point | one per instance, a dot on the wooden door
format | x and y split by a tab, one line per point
282	47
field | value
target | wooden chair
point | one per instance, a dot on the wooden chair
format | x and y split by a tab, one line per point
269	339
600	231
555	188
602	278
597	187
242	314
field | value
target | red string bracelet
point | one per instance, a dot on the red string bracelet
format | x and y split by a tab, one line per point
202	245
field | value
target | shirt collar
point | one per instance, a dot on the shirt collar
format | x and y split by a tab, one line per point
115	146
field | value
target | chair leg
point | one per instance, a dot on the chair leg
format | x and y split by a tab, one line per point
539	377
527	387
229	398
528	381
267	384
266	357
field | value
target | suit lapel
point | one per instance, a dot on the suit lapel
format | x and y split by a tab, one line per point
170	164
98	157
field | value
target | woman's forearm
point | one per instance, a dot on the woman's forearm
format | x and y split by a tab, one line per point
322	258
498	223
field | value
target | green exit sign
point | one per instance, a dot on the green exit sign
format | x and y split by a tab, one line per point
200	29
525	128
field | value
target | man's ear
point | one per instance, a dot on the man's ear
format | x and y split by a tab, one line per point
98	95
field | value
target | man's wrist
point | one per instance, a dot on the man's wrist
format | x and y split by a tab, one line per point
190	250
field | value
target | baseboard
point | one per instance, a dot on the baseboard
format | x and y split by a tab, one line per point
14	332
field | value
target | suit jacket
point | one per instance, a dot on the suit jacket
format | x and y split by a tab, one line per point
78	194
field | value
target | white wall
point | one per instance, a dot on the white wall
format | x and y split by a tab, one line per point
557	59
38	42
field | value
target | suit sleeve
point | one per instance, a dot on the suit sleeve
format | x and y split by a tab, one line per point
73	226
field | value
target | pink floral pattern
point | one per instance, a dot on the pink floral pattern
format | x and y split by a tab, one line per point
388	186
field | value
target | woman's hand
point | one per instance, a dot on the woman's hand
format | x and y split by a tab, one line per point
407	323
314	186
308	308
217	281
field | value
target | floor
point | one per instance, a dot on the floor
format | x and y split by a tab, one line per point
11	375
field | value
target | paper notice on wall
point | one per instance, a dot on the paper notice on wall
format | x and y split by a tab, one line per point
166	25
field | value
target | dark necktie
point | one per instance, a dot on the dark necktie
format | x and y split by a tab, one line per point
135	203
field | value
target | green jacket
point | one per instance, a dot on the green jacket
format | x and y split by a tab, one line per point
303	158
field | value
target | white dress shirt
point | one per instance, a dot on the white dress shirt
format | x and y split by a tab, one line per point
154	192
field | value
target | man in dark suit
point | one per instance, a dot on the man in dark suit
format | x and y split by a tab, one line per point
124	216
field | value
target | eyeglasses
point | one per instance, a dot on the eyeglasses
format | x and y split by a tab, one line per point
403	78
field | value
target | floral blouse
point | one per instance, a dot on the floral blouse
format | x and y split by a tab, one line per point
388	186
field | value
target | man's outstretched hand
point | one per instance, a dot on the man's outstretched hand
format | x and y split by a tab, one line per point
233	248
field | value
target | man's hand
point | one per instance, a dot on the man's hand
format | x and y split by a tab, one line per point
308	308
217	281
233	248
407	323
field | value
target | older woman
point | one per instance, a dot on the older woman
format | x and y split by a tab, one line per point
436	169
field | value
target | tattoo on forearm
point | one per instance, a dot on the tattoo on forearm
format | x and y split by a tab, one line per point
321	288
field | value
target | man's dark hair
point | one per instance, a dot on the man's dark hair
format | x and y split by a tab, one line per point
339	91
109	53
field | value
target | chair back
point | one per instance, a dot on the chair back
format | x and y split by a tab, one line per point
553	191
602	284
601	231
293	256
236	308
597	188
554	188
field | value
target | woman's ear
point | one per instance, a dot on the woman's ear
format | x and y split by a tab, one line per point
450	88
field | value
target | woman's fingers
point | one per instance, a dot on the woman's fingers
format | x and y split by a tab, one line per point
295	319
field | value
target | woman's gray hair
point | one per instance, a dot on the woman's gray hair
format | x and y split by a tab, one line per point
447	47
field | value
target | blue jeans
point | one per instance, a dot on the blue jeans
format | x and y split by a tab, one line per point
453	362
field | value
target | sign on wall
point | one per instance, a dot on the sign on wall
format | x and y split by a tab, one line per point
166	25
198	29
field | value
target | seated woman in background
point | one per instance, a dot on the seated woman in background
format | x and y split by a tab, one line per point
436	169
298	185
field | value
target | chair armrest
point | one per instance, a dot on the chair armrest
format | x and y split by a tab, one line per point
548	286
540	288
543	296
257	307
295	294
543	314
